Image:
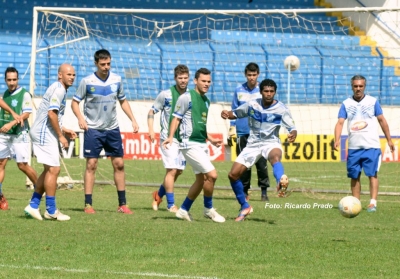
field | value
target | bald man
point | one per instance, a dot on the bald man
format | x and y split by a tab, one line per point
47	133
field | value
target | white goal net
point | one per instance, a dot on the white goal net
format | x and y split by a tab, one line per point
332	45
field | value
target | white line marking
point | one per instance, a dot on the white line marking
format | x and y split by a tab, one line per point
73	270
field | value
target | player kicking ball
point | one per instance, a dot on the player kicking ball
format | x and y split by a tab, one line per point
266	116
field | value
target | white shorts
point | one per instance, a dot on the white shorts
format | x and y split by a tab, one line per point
47	154
197	156
16	147
251	153
172	157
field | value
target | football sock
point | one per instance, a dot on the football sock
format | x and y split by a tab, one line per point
278	171
161	191
1	190
187	204
51	204
237	187
208	202
88	199
121	198
373	202
35	201
263	191
170	199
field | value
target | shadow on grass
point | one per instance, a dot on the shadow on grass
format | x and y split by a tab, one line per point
270	222
80	209
166	218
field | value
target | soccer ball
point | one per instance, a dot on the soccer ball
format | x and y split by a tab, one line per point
293	61
349	206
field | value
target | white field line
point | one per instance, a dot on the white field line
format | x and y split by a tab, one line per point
73	270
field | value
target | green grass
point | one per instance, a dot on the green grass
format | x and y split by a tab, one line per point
271	243
303	176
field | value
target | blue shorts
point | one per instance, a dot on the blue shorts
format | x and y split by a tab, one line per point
367	159
96	140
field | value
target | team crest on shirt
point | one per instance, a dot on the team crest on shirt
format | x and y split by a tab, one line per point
92	89
54	101
204	117
114	87
14	103
359	125
251	112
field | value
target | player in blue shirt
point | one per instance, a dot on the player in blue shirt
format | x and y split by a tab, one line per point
364	148
101	91
241	130
266	116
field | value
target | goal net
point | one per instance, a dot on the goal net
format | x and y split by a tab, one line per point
332	45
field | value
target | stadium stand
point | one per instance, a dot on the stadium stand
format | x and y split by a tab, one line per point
327	60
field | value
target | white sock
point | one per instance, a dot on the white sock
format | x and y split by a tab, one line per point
373	202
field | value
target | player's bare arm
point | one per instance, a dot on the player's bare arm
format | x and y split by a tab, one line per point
53	118
385	128
69	133
292	136
128	111
150	124
228	115
16	117
76	110
173	126
214	141
338	132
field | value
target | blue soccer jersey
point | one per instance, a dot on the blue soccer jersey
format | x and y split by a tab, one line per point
100	96
242	95
265	123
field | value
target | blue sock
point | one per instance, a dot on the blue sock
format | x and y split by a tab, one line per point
187	204
88	199
121	198
208	202
35	201
237	187
1	191
170	199
51	204
161	191
278	171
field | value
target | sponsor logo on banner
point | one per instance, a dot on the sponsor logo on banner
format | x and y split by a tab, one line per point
310	148
138	146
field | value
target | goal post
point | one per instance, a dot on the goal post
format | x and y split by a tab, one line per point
332	45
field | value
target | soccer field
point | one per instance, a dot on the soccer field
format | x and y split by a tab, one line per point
276	241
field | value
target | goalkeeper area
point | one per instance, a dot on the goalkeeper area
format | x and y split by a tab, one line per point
146	45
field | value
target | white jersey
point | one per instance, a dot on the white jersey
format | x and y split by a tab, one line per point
42	132
362	125
163	103
100	96
265	123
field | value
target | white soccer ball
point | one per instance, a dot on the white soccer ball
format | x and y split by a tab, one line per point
292	61
349	207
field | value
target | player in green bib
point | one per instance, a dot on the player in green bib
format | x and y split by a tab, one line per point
14	138
173	160
190	116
